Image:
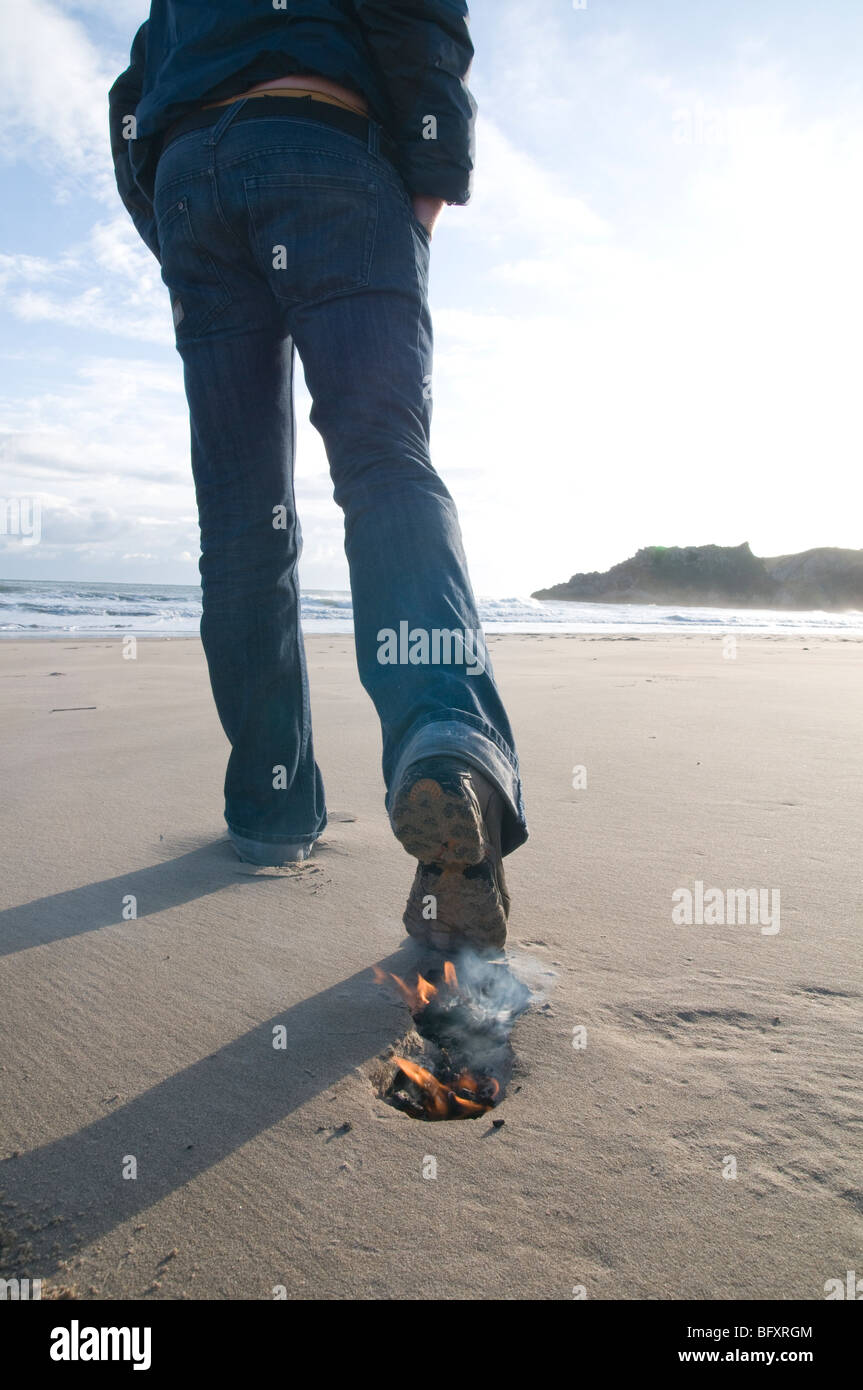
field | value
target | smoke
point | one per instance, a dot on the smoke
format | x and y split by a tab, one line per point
465	1029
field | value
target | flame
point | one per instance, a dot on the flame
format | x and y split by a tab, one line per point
439	1098
436	1094
416	998
441	1101
466	1082
425	991
471	1107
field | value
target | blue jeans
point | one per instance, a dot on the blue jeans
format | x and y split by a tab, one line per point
276	233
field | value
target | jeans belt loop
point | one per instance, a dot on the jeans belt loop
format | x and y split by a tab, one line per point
224	121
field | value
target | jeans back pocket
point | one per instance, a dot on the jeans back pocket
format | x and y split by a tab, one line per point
198	291
314	234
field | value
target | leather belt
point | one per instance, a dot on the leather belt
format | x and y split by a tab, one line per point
301	107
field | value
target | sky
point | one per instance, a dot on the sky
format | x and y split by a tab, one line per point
647	319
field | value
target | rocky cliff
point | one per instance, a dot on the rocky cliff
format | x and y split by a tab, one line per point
723	576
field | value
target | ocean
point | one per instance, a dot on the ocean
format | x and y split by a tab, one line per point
50	608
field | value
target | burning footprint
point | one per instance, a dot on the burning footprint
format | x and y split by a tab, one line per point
463	1016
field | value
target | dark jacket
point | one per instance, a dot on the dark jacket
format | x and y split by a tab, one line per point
409	59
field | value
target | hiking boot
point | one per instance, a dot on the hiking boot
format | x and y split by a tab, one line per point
448	816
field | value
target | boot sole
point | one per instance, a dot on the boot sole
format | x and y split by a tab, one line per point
442	826
439	826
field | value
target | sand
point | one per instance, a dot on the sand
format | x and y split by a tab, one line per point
258	1169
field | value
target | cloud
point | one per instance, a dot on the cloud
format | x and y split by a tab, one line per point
102	420
108	284
54	85
125	15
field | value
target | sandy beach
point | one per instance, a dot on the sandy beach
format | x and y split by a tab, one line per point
155	1144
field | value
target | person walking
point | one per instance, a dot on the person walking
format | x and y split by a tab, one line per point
286	163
